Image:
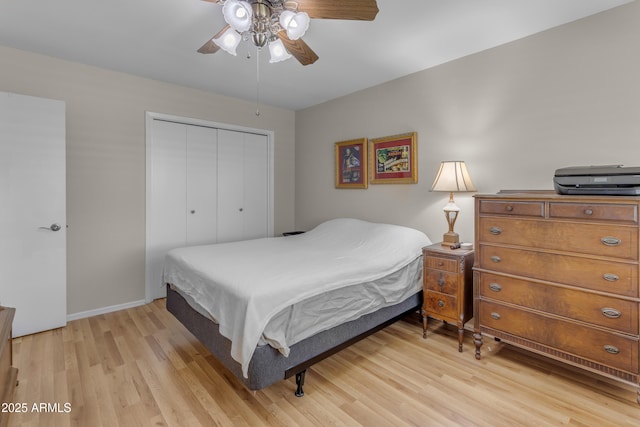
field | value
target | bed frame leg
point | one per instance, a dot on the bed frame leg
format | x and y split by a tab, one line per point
300	382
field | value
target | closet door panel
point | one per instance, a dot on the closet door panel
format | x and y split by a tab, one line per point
166	198
230	185
201	186
256	186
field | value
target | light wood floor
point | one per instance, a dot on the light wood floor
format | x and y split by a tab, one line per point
140	367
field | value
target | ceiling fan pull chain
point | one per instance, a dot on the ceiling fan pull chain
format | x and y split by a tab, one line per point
258	82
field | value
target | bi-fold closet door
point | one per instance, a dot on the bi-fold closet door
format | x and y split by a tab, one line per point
204	185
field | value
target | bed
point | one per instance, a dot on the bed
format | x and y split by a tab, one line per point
270	308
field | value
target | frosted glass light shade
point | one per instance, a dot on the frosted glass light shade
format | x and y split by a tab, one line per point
238	14
278	51
228	41
296	24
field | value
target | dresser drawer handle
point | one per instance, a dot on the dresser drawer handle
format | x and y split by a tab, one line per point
495	230
611	313
610	241
440	303
495	287
496	258
440	264
495	316
509	208
588	212
609	277
611	349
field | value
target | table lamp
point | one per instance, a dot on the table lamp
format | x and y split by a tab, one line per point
452	177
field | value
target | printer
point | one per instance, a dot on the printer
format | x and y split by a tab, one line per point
609	180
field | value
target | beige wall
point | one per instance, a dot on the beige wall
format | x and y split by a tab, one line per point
106	164
515	113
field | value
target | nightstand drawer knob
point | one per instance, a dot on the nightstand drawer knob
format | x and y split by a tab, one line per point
495	287
611	313
496	258
441	281
509	208
440	303
610	241
495	230
609	277
588	212
495	316
611	349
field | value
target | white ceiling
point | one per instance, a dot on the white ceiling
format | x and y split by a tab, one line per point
158	39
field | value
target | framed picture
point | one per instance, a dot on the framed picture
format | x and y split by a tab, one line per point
394	159
351	163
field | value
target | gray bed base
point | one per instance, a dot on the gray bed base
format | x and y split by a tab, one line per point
268	365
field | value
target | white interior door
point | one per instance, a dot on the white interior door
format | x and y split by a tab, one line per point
202	174
166	198
33	212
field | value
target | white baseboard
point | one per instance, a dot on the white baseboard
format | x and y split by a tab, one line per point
103	310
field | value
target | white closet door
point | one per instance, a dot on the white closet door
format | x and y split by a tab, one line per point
243	184
256	187
230	185
33	250
166	198
202	147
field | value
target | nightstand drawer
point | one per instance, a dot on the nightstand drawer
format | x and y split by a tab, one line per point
441	263
600	310
441	305
441	281
615	350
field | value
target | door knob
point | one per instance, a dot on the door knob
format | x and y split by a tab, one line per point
52	227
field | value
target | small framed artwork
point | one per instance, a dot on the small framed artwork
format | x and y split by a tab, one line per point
394	159
351	163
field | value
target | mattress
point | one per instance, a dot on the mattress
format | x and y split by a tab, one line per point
259	290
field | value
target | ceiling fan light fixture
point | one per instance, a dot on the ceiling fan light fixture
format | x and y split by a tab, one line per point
228	41
278	51
295	23
238	14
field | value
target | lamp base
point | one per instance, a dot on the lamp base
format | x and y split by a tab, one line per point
450	238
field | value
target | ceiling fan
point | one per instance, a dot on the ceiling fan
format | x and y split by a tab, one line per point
280	24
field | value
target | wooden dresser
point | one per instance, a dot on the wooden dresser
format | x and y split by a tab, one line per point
558	275
8	374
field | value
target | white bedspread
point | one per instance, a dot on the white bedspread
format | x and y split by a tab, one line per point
243	285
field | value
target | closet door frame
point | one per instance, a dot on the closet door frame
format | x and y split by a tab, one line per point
149	119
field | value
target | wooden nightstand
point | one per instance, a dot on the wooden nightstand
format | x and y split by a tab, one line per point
447	283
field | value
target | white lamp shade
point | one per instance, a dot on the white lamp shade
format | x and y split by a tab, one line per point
228	41
296	24
278	51
238	14
453	177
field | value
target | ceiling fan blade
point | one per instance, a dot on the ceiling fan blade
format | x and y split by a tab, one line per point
299	49
210	46
364	10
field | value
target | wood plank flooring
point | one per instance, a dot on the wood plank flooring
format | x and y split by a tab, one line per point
140	367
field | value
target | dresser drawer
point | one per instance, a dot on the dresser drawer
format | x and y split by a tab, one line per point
606	276
441	305
594	211
609	348
617	241
441	263
529	208
441	281
600	310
